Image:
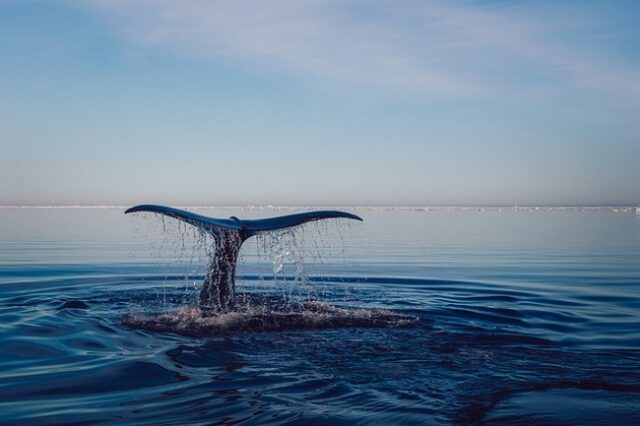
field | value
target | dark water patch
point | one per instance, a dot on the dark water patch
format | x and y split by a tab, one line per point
567	407
19	350
73	304
111	378
87	344
47	328
558	403
557	317
218	355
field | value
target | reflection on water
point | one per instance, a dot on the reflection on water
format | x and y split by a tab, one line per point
523	317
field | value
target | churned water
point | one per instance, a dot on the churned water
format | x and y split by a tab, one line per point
519	316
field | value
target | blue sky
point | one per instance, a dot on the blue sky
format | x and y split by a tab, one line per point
320	102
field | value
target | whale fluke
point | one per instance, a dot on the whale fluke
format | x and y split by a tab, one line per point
186	216
251	226
229	234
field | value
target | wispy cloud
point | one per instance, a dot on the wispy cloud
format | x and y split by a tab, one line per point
436	48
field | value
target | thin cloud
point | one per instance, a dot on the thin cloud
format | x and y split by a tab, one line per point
436	48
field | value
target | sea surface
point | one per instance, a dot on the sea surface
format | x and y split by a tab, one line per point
522	316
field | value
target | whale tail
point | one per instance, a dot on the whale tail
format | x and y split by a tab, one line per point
229	234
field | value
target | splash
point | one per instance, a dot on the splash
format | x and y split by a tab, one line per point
264	314
296	305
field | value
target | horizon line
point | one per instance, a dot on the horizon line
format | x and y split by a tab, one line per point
359	207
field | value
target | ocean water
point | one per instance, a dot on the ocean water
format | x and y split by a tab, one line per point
522	316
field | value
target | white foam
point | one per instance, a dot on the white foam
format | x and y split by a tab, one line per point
311	315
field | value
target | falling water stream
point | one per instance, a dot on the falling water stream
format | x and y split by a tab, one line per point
288	299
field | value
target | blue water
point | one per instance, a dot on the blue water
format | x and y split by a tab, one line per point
523	317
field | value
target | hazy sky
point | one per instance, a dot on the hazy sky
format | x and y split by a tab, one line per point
319	102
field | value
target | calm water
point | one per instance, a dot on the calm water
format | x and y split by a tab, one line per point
525	317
